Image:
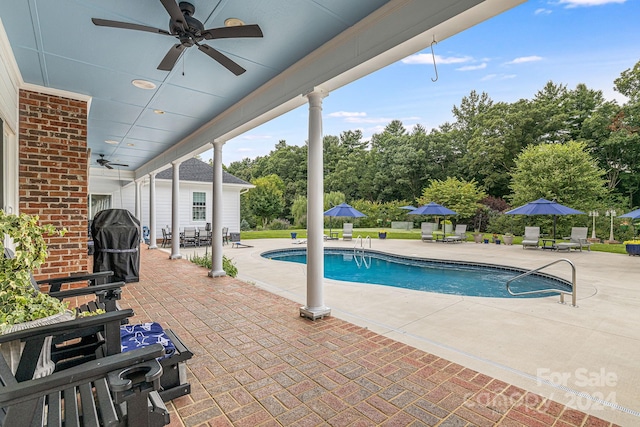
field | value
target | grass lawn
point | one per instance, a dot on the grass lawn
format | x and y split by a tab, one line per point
396	234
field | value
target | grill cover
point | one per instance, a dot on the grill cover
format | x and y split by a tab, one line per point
116	237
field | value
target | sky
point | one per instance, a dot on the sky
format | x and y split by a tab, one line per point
510	57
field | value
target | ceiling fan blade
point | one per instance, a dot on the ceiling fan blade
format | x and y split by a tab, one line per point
174	11
171	57
224	60
119	164
107	165
252	30
127	26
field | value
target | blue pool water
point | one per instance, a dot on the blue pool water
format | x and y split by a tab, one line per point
444	277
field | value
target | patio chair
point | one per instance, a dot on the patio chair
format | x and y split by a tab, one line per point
531	237
166	237
347	231
426	231
204	236
235	241
459	234
225	235
119	390
577	240
189	237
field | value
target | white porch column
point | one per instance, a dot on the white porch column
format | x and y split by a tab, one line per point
138	205
175	211
152	211
315	307
216	220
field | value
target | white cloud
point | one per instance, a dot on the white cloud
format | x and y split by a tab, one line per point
542	11
472	67
489	77
368	120
347	114
588	3
523	59
426	58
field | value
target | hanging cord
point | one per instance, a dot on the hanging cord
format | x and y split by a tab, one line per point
433	55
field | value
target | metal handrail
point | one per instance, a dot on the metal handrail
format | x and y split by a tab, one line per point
355	251
561	291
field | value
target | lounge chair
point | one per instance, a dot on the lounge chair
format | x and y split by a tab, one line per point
234	238
459	234
577	240
531	237
426	231
347	231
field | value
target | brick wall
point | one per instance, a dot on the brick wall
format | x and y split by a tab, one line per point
53	174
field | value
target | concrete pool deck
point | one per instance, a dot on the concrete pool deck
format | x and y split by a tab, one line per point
530	343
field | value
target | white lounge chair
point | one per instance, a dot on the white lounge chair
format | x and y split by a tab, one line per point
347	231
577	240
426	230
531	237
459	234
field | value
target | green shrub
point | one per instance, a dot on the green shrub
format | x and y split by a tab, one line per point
205	261
279	224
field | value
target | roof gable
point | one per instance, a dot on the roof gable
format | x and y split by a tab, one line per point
199	171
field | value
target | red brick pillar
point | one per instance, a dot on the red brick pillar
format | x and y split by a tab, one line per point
53	174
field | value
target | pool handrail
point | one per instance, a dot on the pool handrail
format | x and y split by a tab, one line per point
561	291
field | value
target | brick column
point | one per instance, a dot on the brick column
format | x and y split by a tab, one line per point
53	174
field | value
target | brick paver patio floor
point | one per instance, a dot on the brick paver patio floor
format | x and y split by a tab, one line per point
258	363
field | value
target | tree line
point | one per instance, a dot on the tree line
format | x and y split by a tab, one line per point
571	145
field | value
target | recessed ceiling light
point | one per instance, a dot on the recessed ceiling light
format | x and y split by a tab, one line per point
158	111
233	22
143	84
112	142
130	144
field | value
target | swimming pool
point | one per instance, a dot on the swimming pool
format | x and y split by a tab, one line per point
446	277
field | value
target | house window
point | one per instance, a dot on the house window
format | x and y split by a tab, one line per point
199	209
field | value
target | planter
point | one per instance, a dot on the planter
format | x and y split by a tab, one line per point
508	240
632	249
486	241
12	351
294	235
382	235
478	238
497	241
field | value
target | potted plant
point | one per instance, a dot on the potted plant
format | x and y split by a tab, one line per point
21	305
508	238
477	236
496	238
382	234
632	247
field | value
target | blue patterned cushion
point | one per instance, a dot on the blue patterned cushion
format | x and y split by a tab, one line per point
144	334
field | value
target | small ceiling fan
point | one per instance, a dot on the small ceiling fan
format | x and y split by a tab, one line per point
107	163
189	31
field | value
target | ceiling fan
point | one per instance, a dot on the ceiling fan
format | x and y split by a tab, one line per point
107	163
189	31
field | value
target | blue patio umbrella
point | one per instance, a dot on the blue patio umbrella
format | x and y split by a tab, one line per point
544	207
433	208
633	214
345	210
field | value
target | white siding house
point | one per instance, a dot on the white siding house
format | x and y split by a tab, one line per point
196	188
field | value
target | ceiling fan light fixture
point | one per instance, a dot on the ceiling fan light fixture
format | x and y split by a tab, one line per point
233	22
143	84
111	142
